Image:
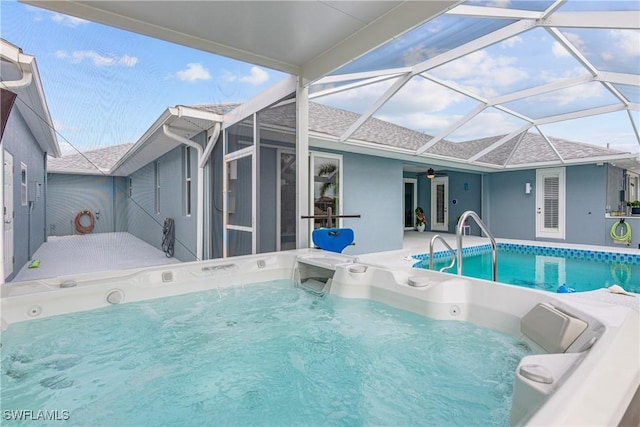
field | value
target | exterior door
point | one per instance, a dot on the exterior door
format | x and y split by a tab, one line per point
439	206
409	202
239	183
7	209
550	203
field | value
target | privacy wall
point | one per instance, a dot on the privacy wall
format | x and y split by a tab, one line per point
103	196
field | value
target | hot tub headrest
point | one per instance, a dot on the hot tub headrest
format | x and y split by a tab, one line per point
551	328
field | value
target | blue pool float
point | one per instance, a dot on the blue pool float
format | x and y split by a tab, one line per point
564	289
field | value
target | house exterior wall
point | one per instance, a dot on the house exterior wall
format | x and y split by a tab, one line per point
144	222
373	188
464	188
28	224
513	213
69	194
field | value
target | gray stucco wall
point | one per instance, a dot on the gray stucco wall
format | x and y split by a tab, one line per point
512	212
373	188
28	227
142	219
70	194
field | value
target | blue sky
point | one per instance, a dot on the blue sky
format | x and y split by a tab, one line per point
105	86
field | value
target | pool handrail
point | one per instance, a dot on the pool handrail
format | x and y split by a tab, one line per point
483	227
453	254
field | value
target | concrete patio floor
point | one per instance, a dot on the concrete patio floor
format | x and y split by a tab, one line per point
415	243
89	253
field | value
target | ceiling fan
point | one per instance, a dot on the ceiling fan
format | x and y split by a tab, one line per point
430	173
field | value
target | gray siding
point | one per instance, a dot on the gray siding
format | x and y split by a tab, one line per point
268	196
70	194
28	227
142	219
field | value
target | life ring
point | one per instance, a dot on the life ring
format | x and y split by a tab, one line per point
626	237
84	229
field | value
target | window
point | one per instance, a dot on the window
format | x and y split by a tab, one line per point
23	184
130	187
187	180
326	187
157	185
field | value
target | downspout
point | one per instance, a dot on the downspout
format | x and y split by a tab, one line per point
200	196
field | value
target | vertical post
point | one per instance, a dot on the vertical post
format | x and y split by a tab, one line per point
302	157
255	173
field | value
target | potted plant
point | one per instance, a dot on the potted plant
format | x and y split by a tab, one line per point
421	221
635	207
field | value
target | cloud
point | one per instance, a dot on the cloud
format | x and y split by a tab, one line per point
98	60
61	127
511	42
559	50
572	94
193	73
482	73
256	77
68	21
577	41
627	41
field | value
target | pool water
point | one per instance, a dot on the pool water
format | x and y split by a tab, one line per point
267	354
549	271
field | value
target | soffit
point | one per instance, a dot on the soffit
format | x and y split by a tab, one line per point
307	38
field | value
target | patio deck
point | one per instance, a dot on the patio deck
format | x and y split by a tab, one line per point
418	243
90	253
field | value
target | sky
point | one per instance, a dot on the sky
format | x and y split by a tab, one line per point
530	59
106	86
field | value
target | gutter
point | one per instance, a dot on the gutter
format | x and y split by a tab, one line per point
203	155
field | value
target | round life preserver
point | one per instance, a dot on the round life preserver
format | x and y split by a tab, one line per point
84	229
626	237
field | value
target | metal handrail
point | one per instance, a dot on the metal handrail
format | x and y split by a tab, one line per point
494	250
453	254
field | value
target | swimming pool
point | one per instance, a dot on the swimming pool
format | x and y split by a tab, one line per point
596	364
267	354
547	268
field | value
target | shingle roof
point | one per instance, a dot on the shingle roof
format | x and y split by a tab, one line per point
93	162
531	148
522	149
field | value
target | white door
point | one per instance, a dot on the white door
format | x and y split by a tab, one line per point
7	209
439	207
550	203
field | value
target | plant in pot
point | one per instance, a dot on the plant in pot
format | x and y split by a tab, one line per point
421	221
635	207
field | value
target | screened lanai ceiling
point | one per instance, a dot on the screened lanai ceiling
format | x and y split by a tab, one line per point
504	73
501	73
